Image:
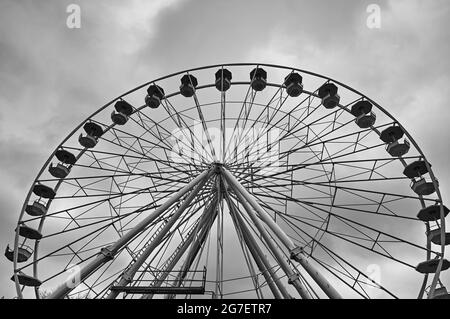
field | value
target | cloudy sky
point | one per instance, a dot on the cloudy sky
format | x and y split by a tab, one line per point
52	77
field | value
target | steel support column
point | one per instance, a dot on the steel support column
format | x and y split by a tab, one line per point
293	277
296	252
106	254
204	219
261	261
193	251
128	276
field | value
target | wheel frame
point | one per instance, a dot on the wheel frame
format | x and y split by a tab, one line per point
187	71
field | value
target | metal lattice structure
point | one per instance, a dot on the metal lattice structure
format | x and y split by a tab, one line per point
245	181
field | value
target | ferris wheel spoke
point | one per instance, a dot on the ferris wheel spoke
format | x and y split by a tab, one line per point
328	119
243	109
344	274
298	120
255	142
99	282
390	256
272	247
166	215
81	186
333	140
248	260
151	245
320	280
348	207
376	241
305	140
168	135
150	128
322	143
342	263
142	152
102	258
310	186
167	162
335	115
319	137
266	108
83	237
110	156
260	258
166	265
182	126
97	204
204	126
329	158
345	237
118	140
251	228
96	282
278	181
74	253
145	144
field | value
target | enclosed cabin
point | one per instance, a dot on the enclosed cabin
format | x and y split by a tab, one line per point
329	95
66	160
39	207
394	146
432	215
26	280
362	110
430	266
416	171
28	232
440	293
122	113
24	253
93	131
294	85
188	85
258	78
435	236
43	191
154	96
223	80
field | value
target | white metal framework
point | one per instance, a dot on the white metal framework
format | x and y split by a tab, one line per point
239	180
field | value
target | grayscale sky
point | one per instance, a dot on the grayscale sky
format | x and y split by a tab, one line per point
53	77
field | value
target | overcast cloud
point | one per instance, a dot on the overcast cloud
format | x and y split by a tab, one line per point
53	77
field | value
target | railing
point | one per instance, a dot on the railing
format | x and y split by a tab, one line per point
147	286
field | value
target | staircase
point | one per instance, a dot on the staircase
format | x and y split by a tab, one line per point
137	256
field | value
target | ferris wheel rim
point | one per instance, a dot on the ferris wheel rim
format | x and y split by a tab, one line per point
187	71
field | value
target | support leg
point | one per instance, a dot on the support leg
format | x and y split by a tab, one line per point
263	264
107	254
293	277
204	220
128	276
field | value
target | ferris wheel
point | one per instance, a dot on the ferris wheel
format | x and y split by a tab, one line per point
234	181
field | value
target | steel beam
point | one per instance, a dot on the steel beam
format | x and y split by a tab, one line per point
193	251
106	254
184	245
218	289
129	274
261	261
296	252
293	277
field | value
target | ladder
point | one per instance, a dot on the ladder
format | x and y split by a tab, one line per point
137	256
